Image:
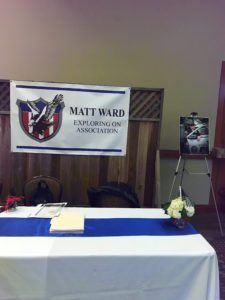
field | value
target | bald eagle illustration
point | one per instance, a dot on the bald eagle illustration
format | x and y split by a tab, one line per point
40	120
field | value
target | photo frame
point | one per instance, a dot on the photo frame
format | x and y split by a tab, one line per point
194	135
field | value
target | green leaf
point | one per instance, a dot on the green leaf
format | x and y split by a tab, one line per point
165	206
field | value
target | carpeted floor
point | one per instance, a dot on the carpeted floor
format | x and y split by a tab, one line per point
208	226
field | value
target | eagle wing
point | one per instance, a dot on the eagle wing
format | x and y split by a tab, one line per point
51	107
34	109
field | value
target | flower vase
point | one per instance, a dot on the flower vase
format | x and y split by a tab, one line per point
180	223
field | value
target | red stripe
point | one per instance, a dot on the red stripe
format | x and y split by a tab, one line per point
46	133
56	121
35	134
25	120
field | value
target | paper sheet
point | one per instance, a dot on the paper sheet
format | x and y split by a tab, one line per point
48	210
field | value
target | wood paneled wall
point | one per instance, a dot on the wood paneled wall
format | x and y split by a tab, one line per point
78	173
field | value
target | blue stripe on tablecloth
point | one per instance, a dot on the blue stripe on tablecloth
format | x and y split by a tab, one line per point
95	227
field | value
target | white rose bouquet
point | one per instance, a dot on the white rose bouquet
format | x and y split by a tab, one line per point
180	207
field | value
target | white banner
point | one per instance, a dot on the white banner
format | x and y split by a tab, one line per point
69	118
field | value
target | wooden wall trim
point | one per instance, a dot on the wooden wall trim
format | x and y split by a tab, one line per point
218	166
220	124
200	208
166	153
4	112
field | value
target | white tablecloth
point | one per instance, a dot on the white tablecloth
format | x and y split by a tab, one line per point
108	268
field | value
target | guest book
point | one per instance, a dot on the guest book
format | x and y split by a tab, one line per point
68	222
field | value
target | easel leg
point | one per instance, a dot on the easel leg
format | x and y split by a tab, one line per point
174	179
182	174
214	198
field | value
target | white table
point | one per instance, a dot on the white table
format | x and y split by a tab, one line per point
108	268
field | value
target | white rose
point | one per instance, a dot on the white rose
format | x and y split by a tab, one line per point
176	214
190	210
170	211
177	204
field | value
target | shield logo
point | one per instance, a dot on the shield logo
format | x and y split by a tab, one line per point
39	119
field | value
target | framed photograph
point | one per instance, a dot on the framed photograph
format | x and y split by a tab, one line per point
194	135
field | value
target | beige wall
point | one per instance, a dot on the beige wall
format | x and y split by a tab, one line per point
173	44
